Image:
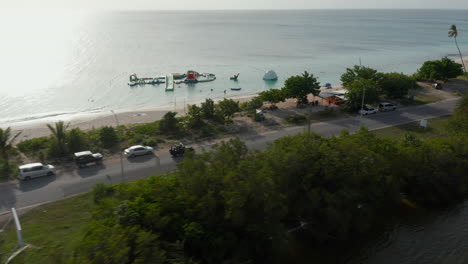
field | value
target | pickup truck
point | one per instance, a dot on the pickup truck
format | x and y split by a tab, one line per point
84	157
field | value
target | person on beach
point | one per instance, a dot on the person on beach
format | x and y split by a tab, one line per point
224	91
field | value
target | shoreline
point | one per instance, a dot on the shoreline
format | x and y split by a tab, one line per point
89	120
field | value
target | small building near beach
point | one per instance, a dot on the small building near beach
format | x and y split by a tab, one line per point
270	76
334	97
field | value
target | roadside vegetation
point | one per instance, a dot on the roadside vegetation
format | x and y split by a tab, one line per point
235	205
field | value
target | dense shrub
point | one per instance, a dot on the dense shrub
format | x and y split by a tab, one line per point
396	85
34	144
108	137
146	129
76	140
443	69
169	124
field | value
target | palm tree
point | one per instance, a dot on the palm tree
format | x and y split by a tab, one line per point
6	140
60	136
453	33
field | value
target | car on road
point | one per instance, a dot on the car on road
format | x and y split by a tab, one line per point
85	157
34	170
179	149
383	107
367	110
138	150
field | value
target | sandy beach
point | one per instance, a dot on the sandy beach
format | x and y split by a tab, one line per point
34	129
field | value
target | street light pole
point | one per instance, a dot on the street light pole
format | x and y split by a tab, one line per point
120	150
363	94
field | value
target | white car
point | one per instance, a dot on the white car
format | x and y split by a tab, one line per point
138	150
383	107
34	170
367	111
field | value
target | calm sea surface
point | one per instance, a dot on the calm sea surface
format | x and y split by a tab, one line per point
63	64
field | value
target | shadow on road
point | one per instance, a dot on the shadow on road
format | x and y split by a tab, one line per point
36	183
7	197
90	171
141	159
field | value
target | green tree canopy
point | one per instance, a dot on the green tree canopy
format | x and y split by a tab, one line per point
108	137
301	86
195	116
226	109
359	72
208	109
443	69
273	95
76	140
169	123
396	85
359	88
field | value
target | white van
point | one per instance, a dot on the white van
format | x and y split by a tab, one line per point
34	170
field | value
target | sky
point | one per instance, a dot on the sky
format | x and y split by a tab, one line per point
230	4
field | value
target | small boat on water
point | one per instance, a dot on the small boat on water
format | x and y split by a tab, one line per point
235	76
236	89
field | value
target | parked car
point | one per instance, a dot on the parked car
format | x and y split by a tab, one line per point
34	170
85	157
383	107
367	111
138	150
179	149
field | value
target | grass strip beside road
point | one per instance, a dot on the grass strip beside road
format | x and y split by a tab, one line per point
436	127
53	230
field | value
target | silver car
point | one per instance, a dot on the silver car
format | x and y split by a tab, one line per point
383	107
34	170
138	150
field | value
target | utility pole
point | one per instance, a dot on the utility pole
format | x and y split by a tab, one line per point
363	95
120	150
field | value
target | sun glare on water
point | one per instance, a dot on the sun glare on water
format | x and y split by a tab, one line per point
36	49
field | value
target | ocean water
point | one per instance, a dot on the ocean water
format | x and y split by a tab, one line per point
60	65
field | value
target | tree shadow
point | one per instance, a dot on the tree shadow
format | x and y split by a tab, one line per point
141	159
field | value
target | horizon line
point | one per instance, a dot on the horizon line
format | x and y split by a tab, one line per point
232	9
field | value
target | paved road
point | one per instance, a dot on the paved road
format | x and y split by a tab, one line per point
73	181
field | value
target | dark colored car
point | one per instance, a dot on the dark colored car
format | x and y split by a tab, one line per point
179	150
83	158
